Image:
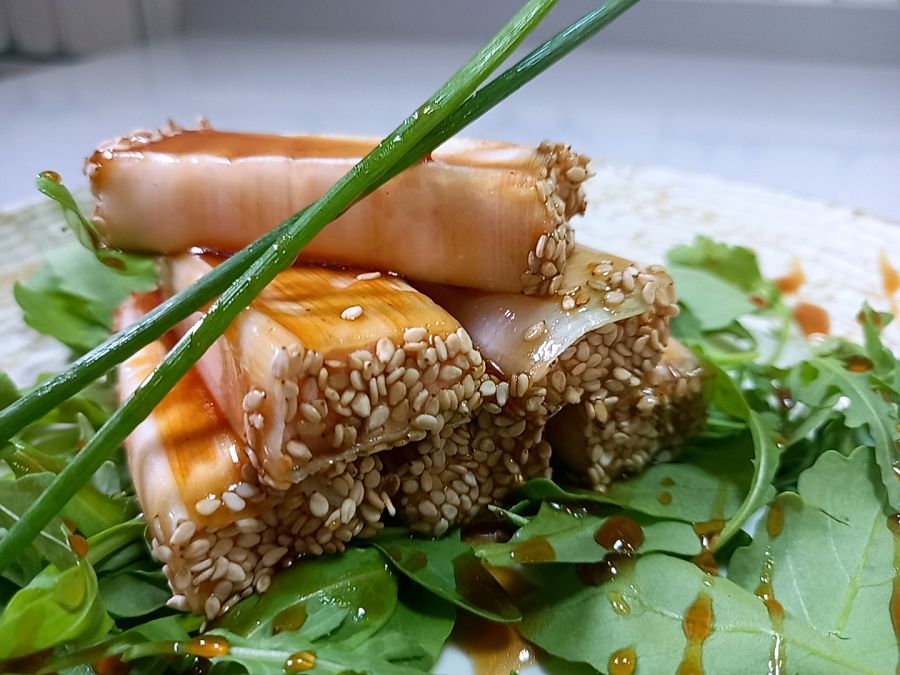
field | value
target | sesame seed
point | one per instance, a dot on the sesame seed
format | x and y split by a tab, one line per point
615	298
368	276
568	303
352	313
183	533
535	331
426	422
318	505
207	506
253	400
233	501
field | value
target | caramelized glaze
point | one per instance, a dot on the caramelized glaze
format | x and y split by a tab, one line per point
537	550
206	646
622	662
775	520
620	534
300	662
793	280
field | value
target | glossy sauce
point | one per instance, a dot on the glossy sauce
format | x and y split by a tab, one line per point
775	520
417	560
111	665
622	662
475	583
620	534
707	532
668	481
665	498
537	550
494	648
79	544
858	364
793	280
812	319
207	646
697	625
890	277
51	175
612	565
290	619
300	662
618	602
778	651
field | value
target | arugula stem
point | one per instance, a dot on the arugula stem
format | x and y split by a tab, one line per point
369	173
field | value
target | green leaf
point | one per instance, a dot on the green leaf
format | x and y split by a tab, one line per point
51	544
644	608
735	264
448	568
57	607
9	392
421	619
830	556
568	535
357	580
72	296
713	302
135	593
822	380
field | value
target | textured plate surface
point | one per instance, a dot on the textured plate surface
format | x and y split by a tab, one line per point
636	212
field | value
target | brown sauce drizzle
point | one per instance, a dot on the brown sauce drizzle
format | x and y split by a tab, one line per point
858	364
812	319
620	534
111	665
775	520
697	625
793	280
707	532
890	277
300	662
79	544
290	619
622	662
476	584
668	481
618	602
537	550
51	175
665	498
30	663
493	648
417	561
612	565
207	646
764	591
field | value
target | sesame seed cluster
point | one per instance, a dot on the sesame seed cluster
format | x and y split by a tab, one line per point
560	189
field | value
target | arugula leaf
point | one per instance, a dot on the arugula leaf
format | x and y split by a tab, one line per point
644	608
448	568
72	297
714	303
52	544
357	580
707	482
421	619
56	607
832	535
735	264
821	381
567	535
134	593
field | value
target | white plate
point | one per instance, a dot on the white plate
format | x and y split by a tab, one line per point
636	212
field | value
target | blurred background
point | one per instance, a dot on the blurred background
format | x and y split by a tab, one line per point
799	95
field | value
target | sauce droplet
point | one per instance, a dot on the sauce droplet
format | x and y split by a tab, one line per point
493	648
778	651
665	498
612	565
207	646
622	662
537	550
618	602
476	584
812	319
858	364
707	532
668	481
706	561
697	625
775	520
620	534
890	277
793	280
79	544
290	619
417	561
300	662
51	175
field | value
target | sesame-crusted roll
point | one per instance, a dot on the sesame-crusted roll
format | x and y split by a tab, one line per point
607	326
330	365
601	439
495	215
218	530
450	478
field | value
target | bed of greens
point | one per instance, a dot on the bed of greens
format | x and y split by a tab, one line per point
792	488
